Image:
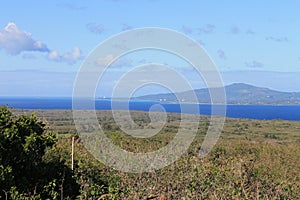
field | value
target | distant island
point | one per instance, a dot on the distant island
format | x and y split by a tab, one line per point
237	93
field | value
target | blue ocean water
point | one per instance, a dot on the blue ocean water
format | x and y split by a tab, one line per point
284	112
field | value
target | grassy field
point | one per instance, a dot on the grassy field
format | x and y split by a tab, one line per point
252	159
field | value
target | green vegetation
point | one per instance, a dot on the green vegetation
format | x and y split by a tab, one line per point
237	93
252	160
35	165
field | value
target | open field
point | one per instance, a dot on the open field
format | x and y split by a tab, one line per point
252	159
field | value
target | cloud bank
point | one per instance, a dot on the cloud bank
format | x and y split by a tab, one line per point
70	57
14	41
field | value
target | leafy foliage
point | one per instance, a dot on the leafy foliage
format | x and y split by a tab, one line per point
24	173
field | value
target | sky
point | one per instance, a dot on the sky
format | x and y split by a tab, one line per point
44	43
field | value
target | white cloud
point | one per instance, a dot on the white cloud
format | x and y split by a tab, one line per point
14	40
75	55
117	62
105	60
54	56
70	57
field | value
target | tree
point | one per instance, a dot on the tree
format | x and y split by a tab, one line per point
24	172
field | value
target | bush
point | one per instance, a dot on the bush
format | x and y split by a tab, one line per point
24	173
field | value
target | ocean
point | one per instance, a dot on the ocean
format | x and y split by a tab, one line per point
261	112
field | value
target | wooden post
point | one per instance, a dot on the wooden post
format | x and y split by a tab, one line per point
72	167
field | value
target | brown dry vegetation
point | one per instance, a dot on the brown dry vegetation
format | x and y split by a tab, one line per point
252	159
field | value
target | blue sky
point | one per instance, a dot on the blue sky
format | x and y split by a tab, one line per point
43	43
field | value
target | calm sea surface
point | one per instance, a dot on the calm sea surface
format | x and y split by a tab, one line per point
289	112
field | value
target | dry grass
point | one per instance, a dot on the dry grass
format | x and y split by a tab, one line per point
252	160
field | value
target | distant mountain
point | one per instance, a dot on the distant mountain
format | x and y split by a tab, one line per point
237	93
